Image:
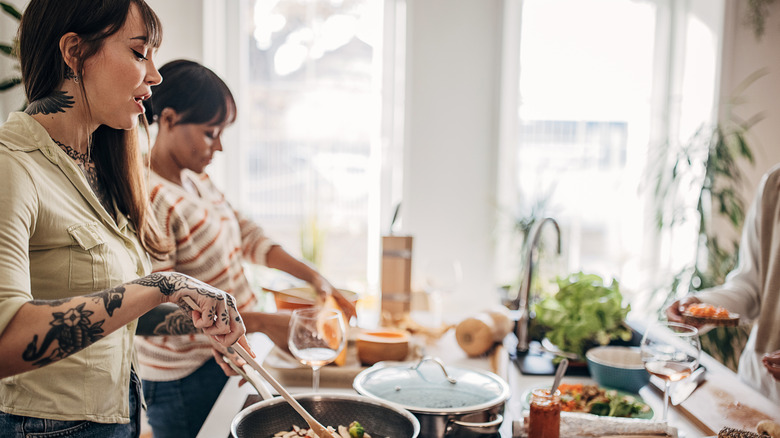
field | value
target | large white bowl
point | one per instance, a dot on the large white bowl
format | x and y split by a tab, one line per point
617	367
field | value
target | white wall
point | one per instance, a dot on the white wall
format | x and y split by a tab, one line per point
743	55
449	200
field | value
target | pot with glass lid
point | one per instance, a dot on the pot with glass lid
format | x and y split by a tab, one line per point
448	401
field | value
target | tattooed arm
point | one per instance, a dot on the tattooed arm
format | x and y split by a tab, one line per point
165	319
43	332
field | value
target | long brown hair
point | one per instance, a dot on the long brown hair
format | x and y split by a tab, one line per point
115	152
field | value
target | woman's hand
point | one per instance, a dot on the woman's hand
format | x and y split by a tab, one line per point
324	288
675	310
214	310
772	363
274	325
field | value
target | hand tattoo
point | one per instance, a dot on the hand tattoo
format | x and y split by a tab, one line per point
170	283
73	332
57	102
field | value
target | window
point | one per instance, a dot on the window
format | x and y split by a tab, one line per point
302	160
602	83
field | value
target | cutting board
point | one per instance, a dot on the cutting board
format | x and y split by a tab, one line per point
724	401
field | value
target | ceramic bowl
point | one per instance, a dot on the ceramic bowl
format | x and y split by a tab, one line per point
617	367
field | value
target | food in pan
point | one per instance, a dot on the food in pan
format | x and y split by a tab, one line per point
701	313
354	430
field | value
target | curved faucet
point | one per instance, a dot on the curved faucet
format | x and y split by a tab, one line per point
522	302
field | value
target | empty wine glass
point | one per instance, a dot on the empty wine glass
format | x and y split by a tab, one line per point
670	351
317	336
442	277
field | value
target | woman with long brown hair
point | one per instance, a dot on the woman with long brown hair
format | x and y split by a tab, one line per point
75	226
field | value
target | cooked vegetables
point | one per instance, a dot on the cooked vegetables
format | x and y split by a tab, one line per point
592	399
355	430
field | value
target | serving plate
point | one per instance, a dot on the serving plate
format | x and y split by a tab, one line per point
526	399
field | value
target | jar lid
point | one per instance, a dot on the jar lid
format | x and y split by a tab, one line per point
430	386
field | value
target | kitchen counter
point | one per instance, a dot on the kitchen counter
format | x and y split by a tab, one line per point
233	397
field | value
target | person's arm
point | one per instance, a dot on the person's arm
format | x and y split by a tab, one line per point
258	248
741	291
42	332
771	362
274	325
166	320
280	259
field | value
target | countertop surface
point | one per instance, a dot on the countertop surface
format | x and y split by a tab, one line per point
233	398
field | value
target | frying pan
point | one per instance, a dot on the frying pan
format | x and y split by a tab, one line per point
379	419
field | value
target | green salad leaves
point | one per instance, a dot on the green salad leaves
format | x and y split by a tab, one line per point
583	313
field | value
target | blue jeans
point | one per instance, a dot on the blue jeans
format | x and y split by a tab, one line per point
16	426
177	409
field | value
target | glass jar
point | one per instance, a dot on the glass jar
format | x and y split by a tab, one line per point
544	419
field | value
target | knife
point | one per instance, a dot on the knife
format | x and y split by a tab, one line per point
684	388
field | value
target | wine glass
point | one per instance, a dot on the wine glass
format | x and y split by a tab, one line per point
441	277
317	336
670	351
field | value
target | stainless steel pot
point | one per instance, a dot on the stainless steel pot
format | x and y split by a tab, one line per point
378	418
448	401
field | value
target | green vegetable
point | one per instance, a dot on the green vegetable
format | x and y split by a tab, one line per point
355	430
583	313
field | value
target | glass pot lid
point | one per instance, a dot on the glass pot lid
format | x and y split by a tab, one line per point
430	386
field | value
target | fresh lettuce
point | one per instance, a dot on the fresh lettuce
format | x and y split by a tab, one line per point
583	313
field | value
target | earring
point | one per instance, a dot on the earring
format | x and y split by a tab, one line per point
70	74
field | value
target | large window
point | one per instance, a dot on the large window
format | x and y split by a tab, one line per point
309	75
602	85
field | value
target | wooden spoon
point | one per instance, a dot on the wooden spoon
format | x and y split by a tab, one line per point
315	425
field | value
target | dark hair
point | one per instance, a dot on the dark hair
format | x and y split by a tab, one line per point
196	93
115	152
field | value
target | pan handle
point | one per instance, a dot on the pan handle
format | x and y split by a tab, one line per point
482	428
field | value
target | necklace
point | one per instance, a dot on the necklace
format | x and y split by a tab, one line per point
78	157
87	166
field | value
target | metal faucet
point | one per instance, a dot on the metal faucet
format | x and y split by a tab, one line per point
522	302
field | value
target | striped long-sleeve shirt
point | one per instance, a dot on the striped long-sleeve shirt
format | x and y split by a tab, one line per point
212	242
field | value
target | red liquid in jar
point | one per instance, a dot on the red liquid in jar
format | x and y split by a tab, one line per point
544	419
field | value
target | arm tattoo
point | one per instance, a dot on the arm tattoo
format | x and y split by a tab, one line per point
165	319
73	332
57	102
111	299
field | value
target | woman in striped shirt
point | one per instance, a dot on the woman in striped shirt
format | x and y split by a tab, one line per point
192	107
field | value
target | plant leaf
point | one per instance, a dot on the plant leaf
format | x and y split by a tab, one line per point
7	84
11	10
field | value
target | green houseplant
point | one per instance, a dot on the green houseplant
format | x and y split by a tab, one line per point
9	49
709	164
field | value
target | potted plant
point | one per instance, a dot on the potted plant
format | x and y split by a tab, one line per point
709	163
